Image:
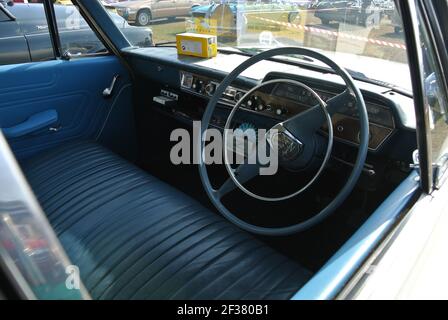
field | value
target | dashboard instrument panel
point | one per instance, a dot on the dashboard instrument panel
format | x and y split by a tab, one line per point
283	100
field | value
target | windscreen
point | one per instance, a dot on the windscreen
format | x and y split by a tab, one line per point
364	36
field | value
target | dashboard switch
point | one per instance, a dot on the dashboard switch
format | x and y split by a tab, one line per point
238	96
281	111
198	86
210	89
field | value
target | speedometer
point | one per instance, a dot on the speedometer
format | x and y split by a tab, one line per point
380	115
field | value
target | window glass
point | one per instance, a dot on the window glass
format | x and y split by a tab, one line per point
77	38
139	35
31	30
25	39
362	35
437	100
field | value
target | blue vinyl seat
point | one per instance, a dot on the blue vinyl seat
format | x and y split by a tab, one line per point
135	237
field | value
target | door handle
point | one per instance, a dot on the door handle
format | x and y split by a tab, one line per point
34	123
108	91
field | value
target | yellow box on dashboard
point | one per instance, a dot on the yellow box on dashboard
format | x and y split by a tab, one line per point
198	45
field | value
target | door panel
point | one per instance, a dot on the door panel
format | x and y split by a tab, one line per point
72	88
13	46
183	7
164	9
40	47
18	46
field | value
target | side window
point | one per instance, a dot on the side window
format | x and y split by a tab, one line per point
23	33
437	100
77	38
134	22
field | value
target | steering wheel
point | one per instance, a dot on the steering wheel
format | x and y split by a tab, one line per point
300	129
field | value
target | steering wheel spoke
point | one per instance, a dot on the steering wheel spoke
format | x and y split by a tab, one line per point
312	119
244	173
339	101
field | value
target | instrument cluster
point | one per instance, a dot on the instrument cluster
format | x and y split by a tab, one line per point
283	100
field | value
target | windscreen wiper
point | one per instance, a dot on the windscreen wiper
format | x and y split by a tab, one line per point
305	62
309	63
166	43
362	77
253	51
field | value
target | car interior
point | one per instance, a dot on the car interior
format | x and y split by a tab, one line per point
93	136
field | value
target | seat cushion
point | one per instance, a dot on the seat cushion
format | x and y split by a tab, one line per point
135	237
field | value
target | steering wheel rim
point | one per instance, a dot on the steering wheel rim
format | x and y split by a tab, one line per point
357	167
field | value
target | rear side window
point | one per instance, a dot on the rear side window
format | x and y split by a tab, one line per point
27	39
24	38
77	38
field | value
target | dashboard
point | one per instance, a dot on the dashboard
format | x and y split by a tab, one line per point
281	101
179	87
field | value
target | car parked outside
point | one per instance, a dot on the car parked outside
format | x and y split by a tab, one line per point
228	19
394	18
367	13
65	2
142	12
24	34
291	8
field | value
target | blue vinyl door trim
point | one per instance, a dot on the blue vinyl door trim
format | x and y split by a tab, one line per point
73	89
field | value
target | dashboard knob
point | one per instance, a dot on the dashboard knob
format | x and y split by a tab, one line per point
198	86
260	107
280	111
210	89
254	103
238	96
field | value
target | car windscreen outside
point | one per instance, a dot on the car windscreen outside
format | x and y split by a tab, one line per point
365	36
